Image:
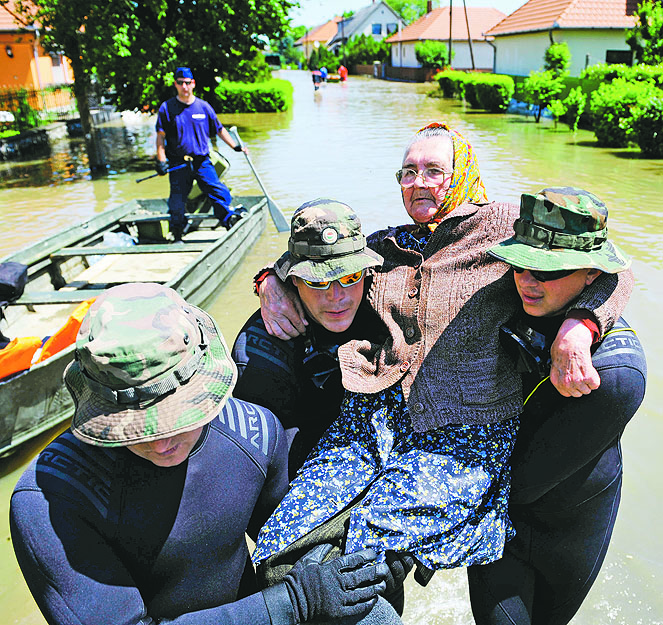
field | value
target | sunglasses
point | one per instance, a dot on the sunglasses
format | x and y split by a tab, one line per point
183	82
344	281
546	276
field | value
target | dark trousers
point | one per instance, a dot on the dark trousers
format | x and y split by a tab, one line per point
181	180
548	568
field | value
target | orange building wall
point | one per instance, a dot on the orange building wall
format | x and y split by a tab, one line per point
21	70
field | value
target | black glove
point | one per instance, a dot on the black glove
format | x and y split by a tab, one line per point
400	564
238	148
343	587
161	167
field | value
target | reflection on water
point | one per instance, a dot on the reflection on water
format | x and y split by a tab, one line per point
346	141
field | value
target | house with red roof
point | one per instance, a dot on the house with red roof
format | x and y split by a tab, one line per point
471	49
594	30
318	36
24	63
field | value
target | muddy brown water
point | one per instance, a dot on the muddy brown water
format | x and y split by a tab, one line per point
346	141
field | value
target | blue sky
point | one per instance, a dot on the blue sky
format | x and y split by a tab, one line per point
314	12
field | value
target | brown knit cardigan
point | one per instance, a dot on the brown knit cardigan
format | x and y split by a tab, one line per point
443	310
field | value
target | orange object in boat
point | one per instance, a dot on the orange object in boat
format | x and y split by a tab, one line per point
66	335
17	355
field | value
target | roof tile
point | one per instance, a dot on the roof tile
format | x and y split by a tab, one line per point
435	25
537	15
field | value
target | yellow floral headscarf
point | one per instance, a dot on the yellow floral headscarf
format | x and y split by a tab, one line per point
466	184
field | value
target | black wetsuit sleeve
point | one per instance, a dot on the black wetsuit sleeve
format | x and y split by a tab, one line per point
276	484
577	430
67	593
266	374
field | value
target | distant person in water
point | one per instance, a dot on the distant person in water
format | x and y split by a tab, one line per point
567	463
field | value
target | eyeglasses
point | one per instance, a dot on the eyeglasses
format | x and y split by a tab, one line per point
431	176
344	281
546	276
183	82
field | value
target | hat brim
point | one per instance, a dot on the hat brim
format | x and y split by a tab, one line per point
99	421
609	258
326	270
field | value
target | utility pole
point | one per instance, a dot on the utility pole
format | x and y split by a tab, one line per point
469	35
451	2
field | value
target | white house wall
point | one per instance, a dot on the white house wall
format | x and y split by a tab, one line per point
380	16
521	54
403	55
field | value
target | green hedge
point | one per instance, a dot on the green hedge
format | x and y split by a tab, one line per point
451	83
491	92
648	127
613	106
603	73
261	97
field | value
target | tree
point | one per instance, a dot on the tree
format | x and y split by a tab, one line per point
131	47
646	38
363	50
409	10
541	88
431	54
557	59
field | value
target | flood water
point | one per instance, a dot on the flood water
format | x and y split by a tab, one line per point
346	142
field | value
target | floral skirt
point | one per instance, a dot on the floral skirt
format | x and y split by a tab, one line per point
440	495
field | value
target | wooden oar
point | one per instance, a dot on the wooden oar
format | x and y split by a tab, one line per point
279	220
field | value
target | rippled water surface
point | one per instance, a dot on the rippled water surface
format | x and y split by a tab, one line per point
346	141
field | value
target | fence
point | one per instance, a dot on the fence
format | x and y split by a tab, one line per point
22	109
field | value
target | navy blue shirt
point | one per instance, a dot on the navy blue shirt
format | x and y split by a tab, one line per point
188	127
104	537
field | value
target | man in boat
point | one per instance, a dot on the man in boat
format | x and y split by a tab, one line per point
567	461
185	125
138	513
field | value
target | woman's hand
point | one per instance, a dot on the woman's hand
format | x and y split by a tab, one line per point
281	309
572	372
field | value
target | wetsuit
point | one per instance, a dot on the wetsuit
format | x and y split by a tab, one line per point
298	380
188	129
105	537
566	485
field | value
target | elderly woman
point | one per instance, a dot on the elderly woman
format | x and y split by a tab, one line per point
418	459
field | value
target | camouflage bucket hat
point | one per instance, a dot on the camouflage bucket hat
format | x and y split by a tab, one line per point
325	243
561	228
147	365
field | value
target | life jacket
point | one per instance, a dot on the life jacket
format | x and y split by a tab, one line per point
66	335
17	355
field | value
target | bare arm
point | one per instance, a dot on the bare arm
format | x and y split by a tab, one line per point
281	309
572	372
227	138
161	146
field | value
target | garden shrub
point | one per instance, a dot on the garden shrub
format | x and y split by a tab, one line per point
602	72
494	91
611	107
541	88
575	103
470	92
557	58
264	97
648	127
432	54
451	82
557	109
